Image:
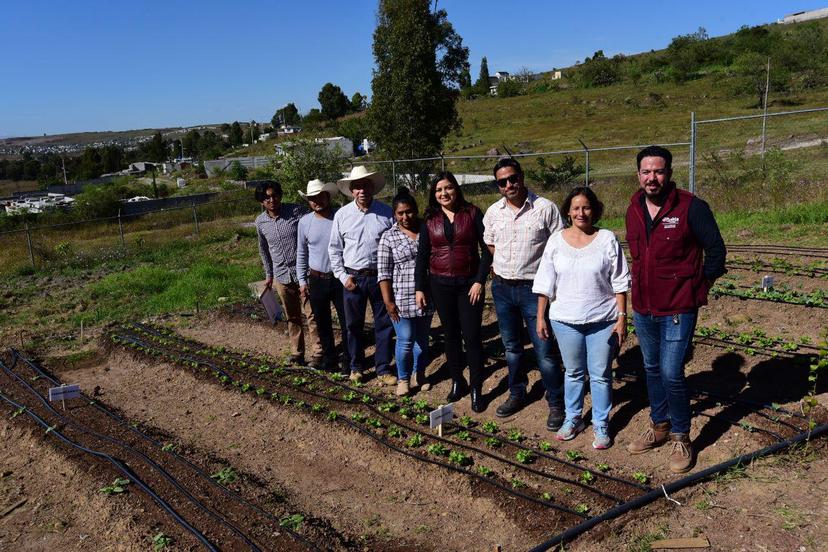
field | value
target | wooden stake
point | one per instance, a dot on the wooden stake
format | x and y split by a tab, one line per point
81	337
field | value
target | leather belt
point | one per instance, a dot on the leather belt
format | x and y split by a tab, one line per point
361	271
513	283
320	275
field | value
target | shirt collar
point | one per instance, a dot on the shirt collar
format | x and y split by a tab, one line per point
531	197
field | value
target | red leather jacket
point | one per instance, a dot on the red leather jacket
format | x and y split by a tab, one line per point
459	257
667	273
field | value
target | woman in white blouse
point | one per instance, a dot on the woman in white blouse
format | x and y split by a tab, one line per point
583	280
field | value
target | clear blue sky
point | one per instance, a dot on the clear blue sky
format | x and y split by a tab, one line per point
83	65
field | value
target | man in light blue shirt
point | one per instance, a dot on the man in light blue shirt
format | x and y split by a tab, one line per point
355	236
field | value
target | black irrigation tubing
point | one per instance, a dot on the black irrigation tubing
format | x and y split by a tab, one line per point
783	352
729	293
206	477
120	466
675	486
718	342
468	447
792	270
132	450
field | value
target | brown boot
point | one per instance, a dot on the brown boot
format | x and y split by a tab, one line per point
681	453
655	436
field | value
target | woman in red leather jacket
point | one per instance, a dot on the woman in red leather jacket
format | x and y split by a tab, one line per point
452	266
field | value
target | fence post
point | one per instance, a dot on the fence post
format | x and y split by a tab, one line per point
195	220
765	109
692	183
442	162
394	174
29	241
586	153
121	228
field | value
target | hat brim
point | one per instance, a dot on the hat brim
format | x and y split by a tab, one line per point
377	179
329	187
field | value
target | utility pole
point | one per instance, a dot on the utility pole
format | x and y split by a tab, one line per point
765	109
63	161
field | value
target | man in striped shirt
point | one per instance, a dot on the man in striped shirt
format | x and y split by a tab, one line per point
276	228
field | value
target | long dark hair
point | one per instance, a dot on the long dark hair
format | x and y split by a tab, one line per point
434	208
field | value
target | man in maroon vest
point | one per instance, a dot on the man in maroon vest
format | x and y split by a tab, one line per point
677	253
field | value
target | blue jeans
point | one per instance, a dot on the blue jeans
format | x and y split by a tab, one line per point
355	303
587	348
514	306
412	345
664	342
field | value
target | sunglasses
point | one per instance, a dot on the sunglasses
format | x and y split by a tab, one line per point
511	179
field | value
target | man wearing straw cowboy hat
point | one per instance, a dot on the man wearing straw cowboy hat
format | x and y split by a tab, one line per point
313	269
355	236
276	228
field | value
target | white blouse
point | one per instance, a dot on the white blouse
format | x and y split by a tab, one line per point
581	283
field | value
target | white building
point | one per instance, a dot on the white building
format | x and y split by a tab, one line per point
798	17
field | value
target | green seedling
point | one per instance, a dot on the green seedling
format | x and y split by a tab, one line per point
332	415
586	477
545	446
395	431
260	391
524	456
484	471
641	477
459	458
547	497
263	369
317	407
225	476
358	417
373	422
18	412
493	442
415	440
349	396
574	455
490	427
387	407
517	483
336	376
292	522
421	405
405	413
118	486
299	381
601	467
169	447
406	400
421	419
161	541
465	421
437	449
300	404
515	435
366	399
582	508
245	387
464	435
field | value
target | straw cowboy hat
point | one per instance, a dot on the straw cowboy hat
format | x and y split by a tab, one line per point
358	173
316	186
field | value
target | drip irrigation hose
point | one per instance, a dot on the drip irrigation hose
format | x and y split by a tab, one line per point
792	270
760	347
428	460
132	450
675	486
221	488
730	293
120	466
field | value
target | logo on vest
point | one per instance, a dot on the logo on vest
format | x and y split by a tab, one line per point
669	222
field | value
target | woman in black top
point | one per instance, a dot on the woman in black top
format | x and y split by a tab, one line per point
452	265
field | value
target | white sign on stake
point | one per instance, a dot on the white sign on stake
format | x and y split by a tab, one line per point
442	415
767	283
63	393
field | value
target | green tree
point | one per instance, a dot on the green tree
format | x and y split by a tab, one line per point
156	149
288	115
751	71
508	88
358	102
313	118
112	159
89	165
252	132
412	100
303	161
190	141
236	135
481	86
334	102
237	171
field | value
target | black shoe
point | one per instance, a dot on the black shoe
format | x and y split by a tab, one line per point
297	360
510	407
555	419
477	404
458	389
316	363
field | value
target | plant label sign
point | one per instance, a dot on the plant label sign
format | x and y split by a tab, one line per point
442	415
767	283
64	393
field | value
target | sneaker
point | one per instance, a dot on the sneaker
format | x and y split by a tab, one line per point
602	439
419	380
510	407
570	429
655	436
555	418
355	377
681	453
402	388
297	360
316	363
387	379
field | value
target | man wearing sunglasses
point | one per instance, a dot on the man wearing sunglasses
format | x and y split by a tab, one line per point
517	228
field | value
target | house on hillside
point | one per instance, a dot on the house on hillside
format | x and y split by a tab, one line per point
495	79
288	129
798	17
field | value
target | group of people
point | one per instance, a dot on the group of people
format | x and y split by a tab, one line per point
556	276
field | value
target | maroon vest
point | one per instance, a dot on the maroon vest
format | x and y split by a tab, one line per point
667	275
460	257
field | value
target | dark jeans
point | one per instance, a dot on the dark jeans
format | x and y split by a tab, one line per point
664	342
516	305
355	303
322	292
459	319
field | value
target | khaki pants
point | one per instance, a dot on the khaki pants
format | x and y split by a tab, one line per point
294	305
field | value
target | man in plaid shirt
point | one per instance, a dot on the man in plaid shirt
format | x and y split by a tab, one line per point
517	229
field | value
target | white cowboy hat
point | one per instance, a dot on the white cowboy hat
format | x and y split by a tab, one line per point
358	173
316	186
